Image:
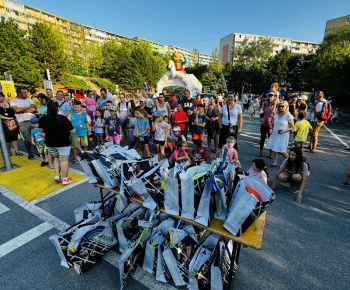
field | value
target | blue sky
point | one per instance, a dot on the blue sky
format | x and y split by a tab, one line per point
200	24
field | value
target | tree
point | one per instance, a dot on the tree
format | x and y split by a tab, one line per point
195	57
94	58
47	50
210	83
250	52
215	55
14	57
222	84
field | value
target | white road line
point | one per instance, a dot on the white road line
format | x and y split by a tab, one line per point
58	191
336	137
24	238
3	208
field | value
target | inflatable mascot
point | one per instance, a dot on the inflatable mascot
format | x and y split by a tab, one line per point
178	63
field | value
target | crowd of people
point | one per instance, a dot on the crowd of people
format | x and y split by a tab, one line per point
55	125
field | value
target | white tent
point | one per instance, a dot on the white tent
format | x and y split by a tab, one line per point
173	79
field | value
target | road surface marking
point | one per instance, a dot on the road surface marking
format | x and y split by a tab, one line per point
336	137
24	238
3	208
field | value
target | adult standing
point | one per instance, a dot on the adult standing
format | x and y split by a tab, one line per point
230	116
62	104
315	122
144	107
43	99
57	129
9	124
296	170
199	100
49	93
109	94
267	110
101	102
173	104
123	110
212	113
189	106
24	108
89	101
163	108
293	108
166	97
206	100
282	124
245	101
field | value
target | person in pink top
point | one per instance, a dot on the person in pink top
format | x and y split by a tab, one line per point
259	170
267	111
179	153
90	103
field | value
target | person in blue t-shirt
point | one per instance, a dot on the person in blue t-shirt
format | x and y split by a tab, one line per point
38	141
199	123
142	128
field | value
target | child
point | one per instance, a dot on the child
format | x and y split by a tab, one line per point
335	117
81	125
232	153
113	126
107	114
131	126
301	129
251	109
160	129
167	121
89	115
142	127
174	138
259	170
214	154
198	154
99	124
38	141
199	123
179	153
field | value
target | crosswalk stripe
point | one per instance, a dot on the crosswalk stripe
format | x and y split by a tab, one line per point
3	208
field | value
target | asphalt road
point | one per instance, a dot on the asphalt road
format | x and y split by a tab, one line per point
305	246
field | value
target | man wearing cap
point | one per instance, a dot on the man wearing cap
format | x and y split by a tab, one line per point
198	154
62	104
101	102
24	108
189	106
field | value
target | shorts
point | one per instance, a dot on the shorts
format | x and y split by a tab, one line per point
264	130
145	140
25	128
115	138
79	141
245	106
125	124
41	148
161	143
316	126
99	134
56	151
198	136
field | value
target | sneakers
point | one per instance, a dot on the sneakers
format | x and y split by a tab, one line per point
66	180
43	164
51	166
344	184
30	157
57	178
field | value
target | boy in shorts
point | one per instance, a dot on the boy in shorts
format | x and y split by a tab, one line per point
199	123
38	141
81	125
301	129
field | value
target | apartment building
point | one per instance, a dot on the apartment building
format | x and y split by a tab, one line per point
333	24
235	39
77	35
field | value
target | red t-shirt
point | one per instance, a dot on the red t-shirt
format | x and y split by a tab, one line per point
199	102
180	116
199	155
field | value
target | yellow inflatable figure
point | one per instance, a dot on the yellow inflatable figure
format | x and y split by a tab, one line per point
178	63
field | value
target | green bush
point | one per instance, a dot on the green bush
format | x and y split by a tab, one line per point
103	82
70	81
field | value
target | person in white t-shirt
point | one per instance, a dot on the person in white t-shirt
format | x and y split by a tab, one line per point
315	122
225	120
24	108
245	102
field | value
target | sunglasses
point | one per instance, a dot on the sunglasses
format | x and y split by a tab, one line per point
281	106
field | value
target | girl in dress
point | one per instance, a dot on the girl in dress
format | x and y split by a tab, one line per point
259	170
160	129
251	109
98	126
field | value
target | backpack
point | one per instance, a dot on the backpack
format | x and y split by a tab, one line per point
126	103
325	114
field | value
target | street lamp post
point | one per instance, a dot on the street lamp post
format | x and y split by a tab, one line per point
4	151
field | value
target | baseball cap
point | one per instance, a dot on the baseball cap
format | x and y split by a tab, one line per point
303	97
271	93
177	128
34	120
197	142
142	99
113	108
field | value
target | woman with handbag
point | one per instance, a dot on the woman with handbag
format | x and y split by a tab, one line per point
212	114
266	114
230	120
9	124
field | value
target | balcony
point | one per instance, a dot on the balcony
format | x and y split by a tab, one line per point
75	27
